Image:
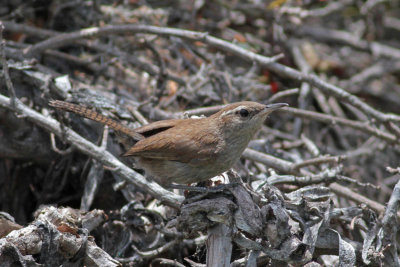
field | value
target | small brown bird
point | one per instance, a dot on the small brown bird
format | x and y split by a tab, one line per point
191	150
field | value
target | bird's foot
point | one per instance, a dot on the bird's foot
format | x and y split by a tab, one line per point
201	189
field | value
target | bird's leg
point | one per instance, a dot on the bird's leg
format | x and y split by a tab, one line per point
214	189
188	188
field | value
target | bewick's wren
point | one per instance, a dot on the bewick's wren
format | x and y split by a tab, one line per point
188	150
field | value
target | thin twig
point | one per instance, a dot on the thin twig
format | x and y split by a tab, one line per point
282	94
362	126
349	194
6	74
331	7
54	146
347	38
317	161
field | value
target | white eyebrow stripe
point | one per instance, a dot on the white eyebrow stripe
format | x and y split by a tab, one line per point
232	110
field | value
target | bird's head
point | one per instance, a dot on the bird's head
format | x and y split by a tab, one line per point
245	117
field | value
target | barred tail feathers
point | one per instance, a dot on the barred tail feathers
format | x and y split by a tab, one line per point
95	116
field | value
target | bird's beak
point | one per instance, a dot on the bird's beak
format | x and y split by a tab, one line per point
272	107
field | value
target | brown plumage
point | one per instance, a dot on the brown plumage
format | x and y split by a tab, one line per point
95	116
191	150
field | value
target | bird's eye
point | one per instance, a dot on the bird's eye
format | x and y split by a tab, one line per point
244	113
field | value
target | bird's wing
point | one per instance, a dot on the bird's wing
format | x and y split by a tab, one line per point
178	145
157	127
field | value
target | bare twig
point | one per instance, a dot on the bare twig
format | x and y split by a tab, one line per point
342	37
54	146
326	176
167	262
362	126
392	22
318	12
281	94
269	160
349	194
6	73
155	252
390	228
393	170
317	161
